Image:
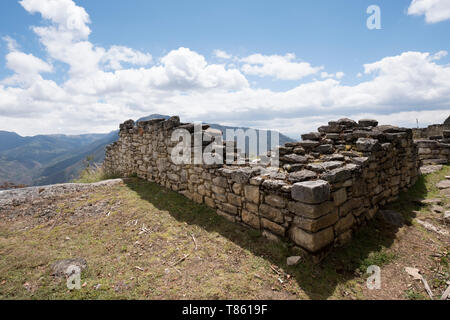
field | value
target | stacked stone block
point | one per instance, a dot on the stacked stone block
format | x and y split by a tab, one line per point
435	149
328	185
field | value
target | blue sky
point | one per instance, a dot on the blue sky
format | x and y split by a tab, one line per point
324	36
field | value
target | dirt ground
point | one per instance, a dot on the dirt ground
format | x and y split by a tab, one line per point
142	241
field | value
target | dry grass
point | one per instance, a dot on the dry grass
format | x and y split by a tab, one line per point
135	236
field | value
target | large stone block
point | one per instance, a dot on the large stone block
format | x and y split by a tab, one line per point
344	224
313	242
367	145
340	196
271	213
273	227
312	211
275	201
314	225
250	219
302	175
252	193
312	192
220	182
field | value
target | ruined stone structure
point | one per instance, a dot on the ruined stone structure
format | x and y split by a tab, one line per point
328	185
434	143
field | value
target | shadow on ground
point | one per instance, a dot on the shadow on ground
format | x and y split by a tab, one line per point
318	281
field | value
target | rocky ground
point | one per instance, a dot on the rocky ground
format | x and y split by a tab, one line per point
136	240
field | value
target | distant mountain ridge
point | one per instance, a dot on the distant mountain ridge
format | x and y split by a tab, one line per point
50	159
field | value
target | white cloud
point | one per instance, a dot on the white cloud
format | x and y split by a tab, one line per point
118	54
69	17
434	10
280	67
222	54
22	63
11	43
101	89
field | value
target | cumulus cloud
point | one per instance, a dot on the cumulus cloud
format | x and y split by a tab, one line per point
115	56
279	67
222	54
433	10
104	86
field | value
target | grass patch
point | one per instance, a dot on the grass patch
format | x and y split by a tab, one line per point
93	174
136	235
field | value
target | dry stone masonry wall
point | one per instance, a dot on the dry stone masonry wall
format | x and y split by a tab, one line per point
326	187
435	149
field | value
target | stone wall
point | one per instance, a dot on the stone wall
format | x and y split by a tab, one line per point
328	185
434	149
435	130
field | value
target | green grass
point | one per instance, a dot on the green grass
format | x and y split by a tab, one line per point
95	174
411	294
231	261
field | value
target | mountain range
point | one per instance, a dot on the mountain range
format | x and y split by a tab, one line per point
50	159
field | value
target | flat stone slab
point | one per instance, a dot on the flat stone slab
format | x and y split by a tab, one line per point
430	169
393	218
433	228
445	193
311	192
444	184
20	196
302	175
426	202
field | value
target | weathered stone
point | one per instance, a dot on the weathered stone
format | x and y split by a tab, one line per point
312	211
313	242
252	193
444	184
349	206
292	261
250	219
368	123
229	208
311	136
234	199
324	149
218	190
344	224
237	188
271	213
314	225
65	268
393	218
324	166
349	123
294	158
272	184
339	196
272	226
220	182
275	201
302	175
367	145
312	192
210	202
309	143
339	174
